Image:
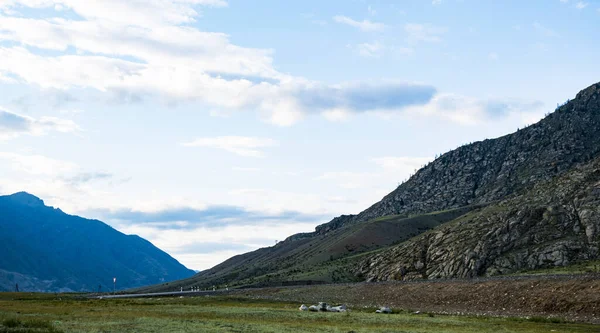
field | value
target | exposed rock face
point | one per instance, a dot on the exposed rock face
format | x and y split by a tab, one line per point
555	223
489	170
526	200
333	224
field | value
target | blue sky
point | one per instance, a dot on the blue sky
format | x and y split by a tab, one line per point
214	127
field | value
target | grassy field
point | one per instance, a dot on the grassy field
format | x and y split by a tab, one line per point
56	313
592	266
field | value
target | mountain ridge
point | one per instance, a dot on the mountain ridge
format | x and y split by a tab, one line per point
479	185
46	249
471	180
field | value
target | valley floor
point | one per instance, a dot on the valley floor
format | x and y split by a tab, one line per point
571	297
276	309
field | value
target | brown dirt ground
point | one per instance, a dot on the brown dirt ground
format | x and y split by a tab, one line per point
572	297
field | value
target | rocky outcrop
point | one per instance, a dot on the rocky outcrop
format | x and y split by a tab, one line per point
490	170
497	206
556	223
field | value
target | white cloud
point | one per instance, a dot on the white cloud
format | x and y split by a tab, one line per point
241	145
13	125
436	2
175	241
129	12
424	32
38	164
138	58
581	5
338	114
371	50
472	111
390	169
364	25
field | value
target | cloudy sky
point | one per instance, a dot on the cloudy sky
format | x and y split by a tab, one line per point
215	127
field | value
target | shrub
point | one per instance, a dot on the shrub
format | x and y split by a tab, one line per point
11	322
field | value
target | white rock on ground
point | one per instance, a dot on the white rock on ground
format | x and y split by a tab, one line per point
384	309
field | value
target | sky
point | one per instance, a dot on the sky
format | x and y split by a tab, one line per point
216	127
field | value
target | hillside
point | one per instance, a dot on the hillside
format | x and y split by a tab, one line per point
556	223
461	188
44	249
492	169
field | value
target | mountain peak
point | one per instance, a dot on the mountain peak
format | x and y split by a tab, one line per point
590	92
25	198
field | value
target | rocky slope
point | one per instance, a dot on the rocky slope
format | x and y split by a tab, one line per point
492	169
44	249
313	258
516	206
556	223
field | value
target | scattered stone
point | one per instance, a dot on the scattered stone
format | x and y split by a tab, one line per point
384	309
341	308
324	307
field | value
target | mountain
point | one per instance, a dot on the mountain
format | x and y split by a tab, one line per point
493	169
491	207
556	223
44	249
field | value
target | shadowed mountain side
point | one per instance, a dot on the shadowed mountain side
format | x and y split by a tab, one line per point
301	257
44	249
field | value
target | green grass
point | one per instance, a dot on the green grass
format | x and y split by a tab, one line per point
576	268
222	314
28	325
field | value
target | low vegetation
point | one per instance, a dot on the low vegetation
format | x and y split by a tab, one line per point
585	267
56	313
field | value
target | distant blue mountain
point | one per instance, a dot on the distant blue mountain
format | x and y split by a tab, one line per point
44	249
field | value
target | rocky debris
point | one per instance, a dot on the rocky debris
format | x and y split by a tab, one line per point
334	224
384	309
572	297
555	223
341	308
323	307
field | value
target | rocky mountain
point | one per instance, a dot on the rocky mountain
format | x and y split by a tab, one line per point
493	169
44	249
490	207
556	223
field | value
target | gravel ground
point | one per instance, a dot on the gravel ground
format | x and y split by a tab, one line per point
572	297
